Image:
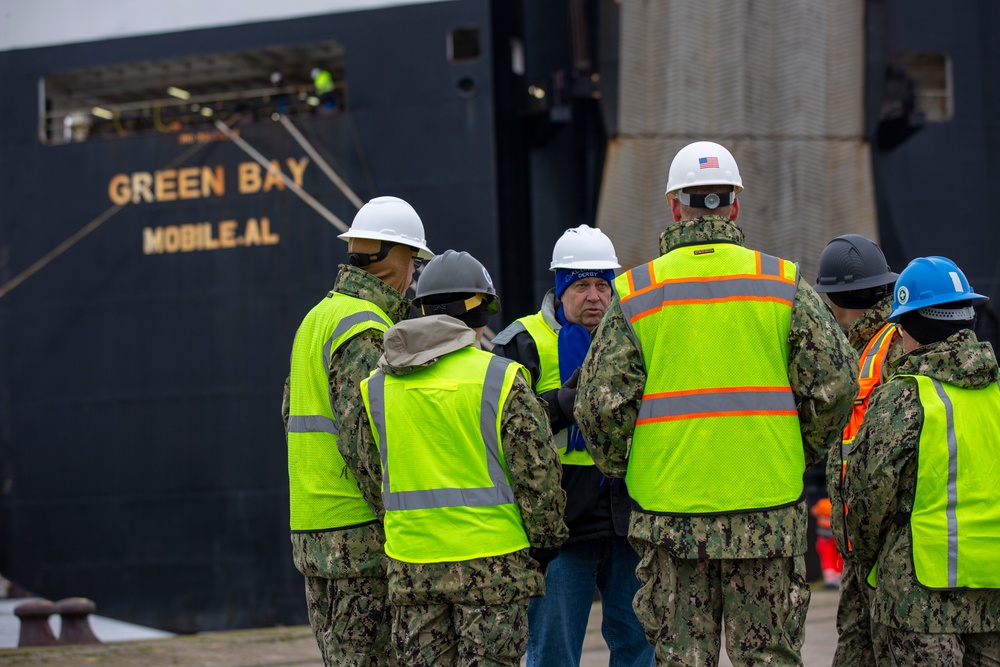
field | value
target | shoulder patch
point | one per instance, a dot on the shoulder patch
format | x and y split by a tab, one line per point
508	334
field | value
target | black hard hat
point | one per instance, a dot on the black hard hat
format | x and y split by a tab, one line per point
456	282
852	262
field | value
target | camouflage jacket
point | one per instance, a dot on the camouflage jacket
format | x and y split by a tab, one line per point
822	370
355	551
859	335
533	469
881	488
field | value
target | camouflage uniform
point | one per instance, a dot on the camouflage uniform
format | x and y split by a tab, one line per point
912	624
345	568
854	643
472	612
753	559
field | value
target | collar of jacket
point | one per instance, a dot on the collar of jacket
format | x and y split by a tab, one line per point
959	360
352	281
548	311
865	327
413	344
706	229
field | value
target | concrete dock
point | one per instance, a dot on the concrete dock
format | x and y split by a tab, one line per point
133	646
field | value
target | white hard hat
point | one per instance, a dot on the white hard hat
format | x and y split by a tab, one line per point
584	247
703	163
389	219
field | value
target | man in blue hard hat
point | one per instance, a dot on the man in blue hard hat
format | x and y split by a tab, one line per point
924	521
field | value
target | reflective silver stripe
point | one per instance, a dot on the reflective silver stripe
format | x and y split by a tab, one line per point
769	266
845	449
641	277
561	439
500	493
376	404
435	498
744	400
312	424
950	510
342	327
488	412
866	367
709	290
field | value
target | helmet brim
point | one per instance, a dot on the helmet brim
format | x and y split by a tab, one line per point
874	281
423	252
973	299
585	266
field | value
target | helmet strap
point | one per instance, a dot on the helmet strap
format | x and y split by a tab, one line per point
364	259
711	200
860	299
453	308
386	260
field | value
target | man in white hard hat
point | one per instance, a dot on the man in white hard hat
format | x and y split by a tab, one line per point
552	344
716	376
337	537
462	453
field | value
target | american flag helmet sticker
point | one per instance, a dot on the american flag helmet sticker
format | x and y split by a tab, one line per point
708	163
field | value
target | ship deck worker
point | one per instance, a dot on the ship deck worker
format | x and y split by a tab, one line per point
336	535
462	452
857	281
552	344
922	492
714	450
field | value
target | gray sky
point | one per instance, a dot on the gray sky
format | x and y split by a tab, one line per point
33	23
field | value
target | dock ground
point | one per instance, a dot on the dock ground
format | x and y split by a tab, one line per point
295	646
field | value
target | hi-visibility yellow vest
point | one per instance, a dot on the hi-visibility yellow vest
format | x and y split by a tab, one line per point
869	376
717	429
323	494
955	522
547	343
445	485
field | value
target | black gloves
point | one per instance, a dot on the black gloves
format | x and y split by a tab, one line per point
543	556
566	395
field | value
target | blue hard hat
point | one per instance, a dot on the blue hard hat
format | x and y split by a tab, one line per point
931	281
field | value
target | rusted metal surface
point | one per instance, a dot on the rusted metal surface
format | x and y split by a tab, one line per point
35	629
75	628
783	91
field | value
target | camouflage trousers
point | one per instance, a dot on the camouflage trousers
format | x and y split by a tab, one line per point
468	635
683	604
854	617
899	647
350	618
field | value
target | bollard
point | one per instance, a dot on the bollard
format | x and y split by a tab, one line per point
75	625
35	629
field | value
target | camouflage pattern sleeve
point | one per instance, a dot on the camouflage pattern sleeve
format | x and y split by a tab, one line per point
365	461
533	464
354	362
884	451
822	371
609	392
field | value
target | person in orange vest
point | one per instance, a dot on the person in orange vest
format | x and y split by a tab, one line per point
857	282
